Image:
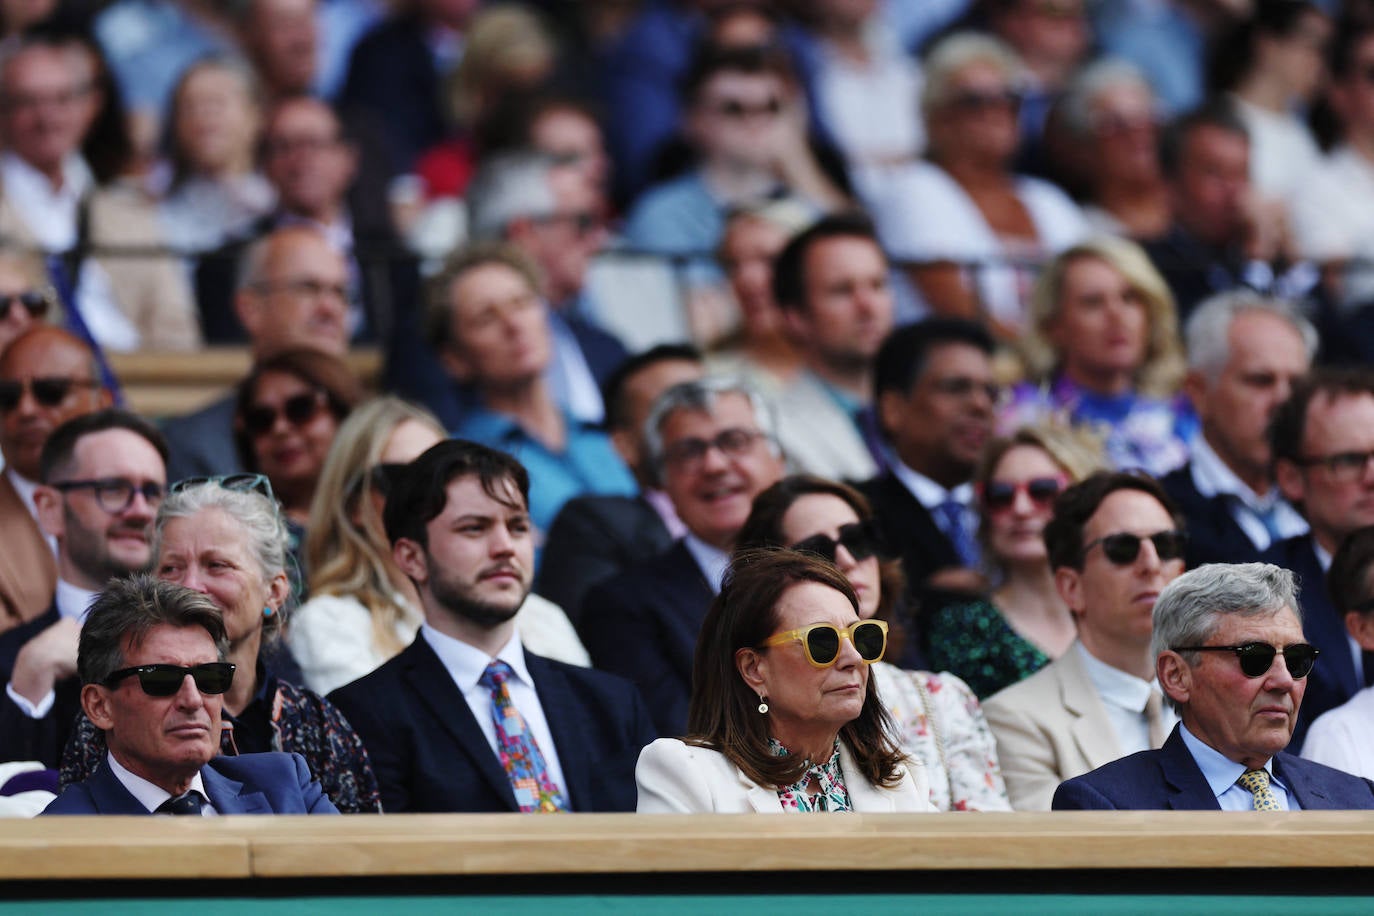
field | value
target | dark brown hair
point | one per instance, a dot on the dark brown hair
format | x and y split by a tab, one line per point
1348	580
1080	502
1288	428
722	715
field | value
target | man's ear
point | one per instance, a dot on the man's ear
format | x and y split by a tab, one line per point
455	363
796	323
1175	676
753	667
95	700
1069	583
1361	628
410	557
1195	387
1289	478
890	405
48	502
248	308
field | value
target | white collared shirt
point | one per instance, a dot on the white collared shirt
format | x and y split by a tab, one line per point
712	561
1356	650
73	601
1124	697
1212	477
931	495
25	488
1221	774
466	664
149	795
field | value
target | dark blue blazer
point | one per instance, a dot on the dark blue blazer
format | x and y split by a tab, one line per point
430	755
1213	534
1333	680
247	784
1169	779
22	737
643	625
201	444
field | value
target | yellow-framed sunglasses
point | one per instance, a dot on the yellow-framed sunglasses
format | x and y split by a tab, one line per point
822	641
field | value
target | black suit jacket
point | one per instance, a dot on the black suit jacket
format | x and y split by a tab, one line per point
430	755
1213	534
25	738
1333	680
1170	779
201	444
592	539
643	624
393	75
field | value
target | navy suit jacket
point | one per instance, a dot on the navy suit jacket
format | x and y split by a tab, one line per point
201	444
643	624
1169	779
1213	534
430	754
247	784
1333	680
23	737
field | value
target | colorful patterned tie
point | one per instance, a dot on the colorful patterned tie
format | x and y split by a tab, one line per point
1256	782
524	764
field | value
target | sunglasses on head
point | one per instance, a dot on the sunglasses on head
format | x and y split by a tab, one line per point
48	392
822	641
243	483
31	300
859	538
1257	657
298	410
166	680
1123	548
999	495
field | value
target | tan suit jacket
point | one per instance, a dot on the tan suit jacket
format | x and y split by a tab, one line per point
153	291
1050	727
677	778
28	570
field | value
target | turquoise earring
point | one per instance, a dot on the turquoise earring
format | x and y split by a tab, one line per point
267	611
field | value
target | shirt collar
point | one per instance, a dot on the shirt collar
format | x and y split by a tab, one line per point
929	493
1220	771
662	503
76	176
1120	689
466	663
25	488
1212	477
711	560
73	601
149	795
1323	556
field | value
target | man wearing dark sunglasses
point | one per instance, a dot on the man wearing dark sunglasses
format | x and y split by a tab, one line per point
104	475
47	376
1232	659
153	679
1114	543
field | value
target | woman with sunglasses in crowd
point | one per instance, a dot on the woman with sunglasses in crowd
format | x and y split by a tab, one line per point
24	301
226	537
362	609
784	715
1023	624
938	718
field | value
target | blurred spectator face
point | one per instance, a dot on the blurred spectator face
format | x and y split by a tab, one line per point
748	250
283	40
742	27
1125	129
827	515
290	451
941	425
18	15
1015	529
300	297
737	117
452	13
307	161
1298	58
638	394
1352	97
1335	498
51	377
1101	327
498	326
572	138
713	488
564	242
1052	36
1267	355
217	122
846	13
847	309
46	106
977	117
1212	184
21	302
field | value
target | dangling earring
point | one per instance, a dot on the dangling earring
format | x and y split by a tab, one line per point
763	705
267	611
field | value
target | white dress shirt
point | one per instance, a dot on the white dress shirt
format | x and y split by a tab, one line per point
149	795
931	495
1356	650
1221	774
1124	697
1212	477
465	664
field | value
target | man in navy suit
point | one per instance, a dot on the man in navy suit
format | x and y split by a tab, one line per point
466	719
1232	659
1245	351
1323	442
713	444
153	678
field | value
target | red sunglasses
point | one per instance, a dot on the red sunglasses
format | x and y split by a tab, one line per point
1000	495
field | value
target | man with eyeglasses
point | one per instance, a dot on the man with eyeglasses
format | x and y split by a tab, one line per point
153	678
1115	541
1232	659
712	443
47	376
1322	439
104	475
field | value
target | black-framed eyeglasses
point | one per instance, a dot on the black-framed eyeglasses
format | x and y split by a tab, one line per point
963	386
861	539
165	680
582	222
298	410
1256	658
48	391
733	443
243	483
1344	467
116	494
33	301
307	287
974	100
1123	547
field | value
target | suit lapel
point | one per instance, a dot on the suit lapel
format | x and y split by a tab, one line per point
1309	793
863	797
688	593
108	794
427	677
1188	788
568	729
227	794
1091	728
762	799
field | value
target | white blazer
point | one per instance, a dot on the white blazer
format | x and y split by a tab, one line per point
678	778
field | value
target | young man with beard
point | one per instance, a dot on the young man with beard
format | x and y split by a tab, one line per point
466	719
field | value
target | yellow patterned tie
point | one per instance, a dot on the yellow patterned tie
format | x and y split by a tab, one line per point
1256	782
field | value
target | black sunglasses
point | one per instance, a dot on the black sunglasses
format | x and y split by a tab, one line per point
32	301
859	538
1257	657
166	680
298	410
48	392
1123	548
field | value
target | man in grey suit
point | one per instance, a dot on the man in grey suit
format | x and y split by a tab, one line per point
1115	542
